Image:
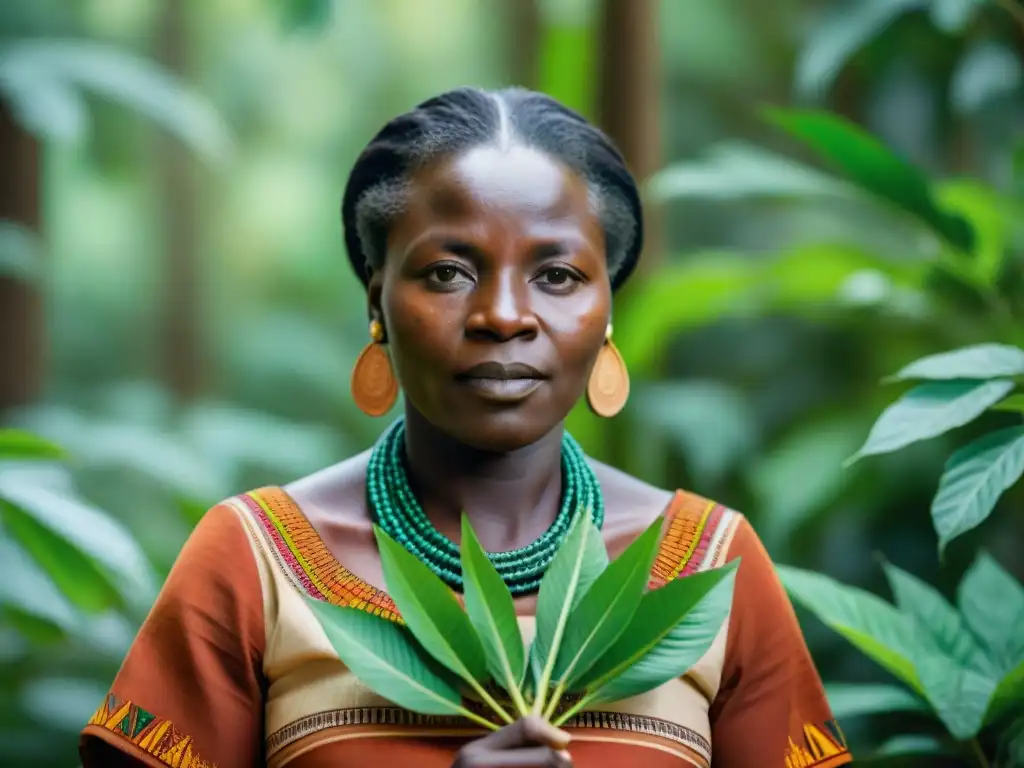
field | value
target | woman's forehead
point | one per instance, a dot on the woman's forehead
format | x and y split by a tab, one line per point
514	180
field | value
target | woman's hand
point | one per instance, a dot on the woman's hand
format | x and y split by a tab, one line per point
528	743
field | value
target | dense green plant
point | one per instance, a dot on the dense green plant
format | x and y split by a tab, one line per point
601	635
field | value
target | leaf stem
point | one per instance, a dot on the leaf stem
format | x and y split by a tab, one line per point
573	710
979	754
555	698
489	701
477	719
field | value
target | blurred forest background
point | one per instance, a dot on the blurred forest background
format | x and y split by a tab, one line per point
176	309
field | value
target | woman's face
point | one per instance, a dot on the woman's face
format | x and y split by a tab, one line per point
494	295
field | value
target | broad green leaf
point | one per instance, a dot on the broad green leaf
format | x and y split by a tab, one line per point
27	589
735	171
78	577
855	700
431	611
992	603
576	566
867	163
17	444
844	29
567	56
671	631
930	410
80	547
974	479
604	612
933	614
986	211
981	361
1014	403
492	612
385	657
959	694
872	625
1008	696
44	77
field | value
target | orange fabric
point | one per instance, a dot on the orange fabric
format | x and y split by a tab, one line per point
189	693
771	710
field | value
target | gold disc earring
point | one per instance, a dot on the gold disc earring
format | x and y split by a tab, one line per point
374	386
608	388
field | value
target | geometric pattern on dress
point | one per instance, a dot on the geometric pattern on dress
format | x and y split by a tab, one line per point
302	554
696	539
153	735
822	747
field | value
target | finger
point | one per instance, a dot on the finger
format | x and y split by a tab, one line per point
525	757
529	730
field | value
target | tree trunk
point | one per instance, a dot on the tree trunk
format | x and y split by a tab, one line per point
522	41
628	95
22	331
182	360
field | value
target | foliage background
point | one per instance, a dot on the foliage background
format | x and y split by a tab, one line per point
200	320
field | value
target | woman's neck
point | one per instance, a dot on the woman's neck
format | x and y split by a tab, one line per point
511	498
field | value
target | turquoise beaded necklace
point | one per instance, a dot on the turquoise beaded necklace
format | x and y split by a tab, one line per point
397	511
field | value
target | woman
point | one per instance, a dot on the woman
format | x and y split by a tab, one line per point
490	230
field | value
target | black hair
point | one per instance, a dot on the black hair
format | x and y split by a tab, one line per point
469	117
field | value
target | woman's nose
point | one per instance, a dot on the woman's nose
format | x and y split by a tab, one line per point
501	309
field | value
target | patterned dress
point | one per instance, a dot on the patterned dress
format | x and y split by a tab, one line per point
231	669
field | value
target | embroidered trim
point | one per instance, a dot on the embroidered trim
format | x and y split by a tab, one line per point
698	535
154	735
362	716
820	749
301	553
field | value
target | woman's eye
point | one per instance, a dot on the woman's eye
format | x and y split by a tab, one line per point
446	274
559	277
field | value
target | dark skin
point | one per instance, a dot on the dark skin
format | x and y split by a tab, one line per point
497	258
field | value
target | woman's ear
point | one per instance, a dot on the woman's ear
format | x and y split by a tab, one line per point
374	294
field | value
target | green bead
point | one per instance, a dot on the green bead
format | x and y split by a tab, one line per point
397	511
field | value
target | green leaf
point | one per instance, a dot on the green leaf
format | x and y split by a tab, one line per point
959	694
845	29
1014	403
78	577
916	745
974	479
492	612
930	410
867	163
856	700
1008	695
91	557
674	626
992	604
576	566
26	588
981	361
933	614
872	625
431	611
44	77
604	612
732	171
16	444
385	657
